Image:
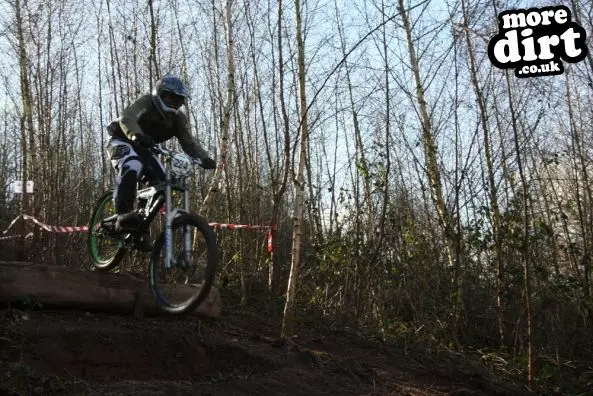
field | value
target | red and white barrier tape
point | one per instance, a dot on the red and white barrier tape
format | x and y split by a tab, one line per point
46	227
234	226
268	230
70	229
29	235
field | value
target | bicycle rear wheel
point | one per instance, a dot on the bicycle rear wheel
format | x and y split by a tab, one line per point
200	262
102	230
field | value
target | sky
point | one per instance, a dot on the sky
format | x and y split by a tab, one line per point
322	52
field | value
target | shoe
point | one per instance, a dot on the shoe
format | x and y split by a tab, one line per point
143	242
128	221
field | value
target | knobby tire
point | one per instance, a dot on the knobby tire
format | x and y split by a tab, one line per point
98	262
211	263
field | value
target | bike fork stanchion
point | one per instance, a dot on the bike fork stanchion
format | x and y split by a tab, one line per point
187	242
168	224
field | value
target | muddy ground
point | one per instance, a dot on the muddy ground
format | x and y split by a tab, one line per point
45	352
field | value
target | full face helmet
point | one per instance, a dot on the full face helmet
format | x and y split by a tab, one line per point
170	94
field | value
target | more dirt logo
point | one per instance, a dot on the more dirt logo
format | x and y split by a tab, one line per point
536	41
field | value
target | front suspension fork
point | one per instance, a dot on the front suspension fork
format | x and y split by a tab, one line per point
187	242
168	227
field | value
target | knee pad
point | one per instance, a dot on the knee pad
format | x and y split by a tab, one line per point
131	165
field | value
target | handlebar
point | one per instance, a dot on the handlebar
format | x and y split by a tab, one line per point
166	152
171	153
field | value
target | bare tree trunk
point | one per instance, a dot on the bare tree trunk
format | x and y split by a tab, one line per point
492	187
152	57
226	118
581	166
434	177
181	42
115	66
525	241
279	187
577	16
312	204
384	183
104	169
553	242
299	181
27	128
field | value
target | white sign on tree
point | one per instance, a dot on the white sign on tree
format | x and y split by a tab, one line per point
17	186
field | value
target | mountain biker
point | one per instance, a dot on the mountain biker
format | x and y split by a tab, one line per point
153	118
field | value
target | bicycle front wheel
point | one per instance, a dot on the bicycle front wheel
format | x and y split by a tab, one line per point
184	283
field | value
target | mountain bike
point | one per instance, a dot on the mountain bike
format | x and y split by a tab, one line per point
198	258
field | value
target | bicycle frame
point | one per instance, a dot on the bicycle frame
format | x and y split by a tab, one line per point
155	201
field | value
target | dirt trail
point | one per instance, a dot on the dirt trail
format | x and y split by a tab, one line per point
77	353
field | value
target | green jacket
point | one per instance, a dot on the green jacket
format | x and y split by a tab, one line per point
143	116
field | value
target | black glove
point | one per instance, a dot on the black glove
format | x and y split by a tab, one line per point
143	140
208	163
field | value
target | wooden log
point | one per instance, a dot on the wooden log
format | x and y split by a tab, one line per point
59	287
14	263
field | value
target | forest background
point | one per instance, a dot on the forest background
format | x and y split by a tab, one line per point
417	191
